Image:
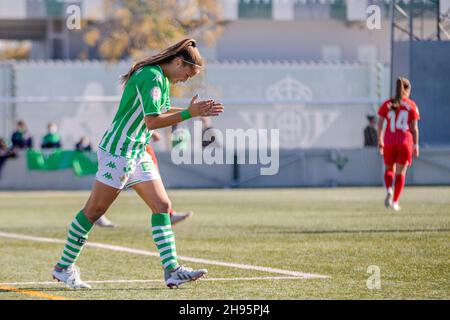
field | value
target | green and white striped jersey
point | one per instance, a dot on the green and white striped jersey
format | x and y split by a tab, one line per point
146	93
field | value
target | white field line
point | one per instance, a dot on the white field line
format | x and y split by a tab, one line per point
156	254
150	280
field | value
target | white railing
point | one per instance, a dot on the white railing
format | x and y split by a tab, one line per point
226	101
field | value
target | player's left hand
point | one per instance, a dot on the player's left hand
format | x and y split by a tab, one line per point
380	148
416	150
214	110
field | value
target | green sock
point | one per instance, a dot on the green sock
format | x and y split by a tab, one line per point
164	239
76	238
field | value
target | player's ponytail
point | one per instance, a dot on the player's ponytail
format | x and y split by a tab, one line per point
185	49
401	88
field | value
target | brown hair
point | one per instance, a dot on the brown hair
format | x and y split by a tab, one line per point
186	49
402	86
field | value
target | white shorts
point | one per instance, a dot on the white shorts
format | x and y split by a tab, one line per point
121	173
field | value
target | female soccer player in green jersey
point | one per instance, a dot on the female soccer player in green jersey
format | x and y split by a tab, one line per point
123	161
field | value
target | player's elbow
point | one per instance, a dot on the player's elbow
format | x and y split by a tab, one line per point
151	122
414	128
380	124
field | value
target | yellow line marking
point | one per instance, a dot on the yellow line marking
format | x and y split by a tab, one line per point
33	293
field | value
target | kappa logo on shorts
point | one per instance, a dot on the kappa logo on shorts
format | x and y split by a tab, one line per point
128	168
146	166
108	176
112	165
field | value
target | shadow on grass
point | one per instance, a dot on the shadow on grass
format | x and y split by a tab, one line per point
359	231
67	290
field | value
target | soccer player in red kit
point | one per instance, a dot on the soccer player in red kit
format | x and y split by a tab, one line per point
401	139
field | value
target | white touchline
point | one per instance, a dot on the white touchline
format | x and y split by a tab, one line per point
156	254
149	280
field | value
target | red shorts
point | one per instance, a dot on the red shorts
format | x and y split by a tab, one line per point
152	154
397	153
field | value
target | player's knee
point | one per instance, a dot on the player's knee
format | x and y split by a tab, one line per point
92	212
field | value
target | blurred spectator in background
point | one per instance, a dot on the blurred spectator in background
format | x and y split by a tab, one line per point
181	137
52	139
206	124
370	132
84	144
5	153
208	135
21	138
156	136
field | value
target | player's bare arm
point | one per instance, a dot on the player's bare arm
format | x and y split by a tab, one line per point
179	109
415	133
380	135
196	109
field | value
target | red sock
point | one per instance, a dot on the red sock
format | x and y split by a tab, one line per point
388	178
399	184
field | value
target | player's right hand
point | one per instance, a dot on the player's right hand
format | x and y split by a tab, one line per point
205	108
380	148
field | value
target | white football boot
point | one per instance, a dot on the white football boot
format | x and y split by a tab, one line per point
178	217
104	222
396	206
181	275
388	199
71	277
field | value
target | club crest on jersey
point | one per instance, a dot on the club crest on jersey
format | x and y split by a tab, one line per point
155	93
